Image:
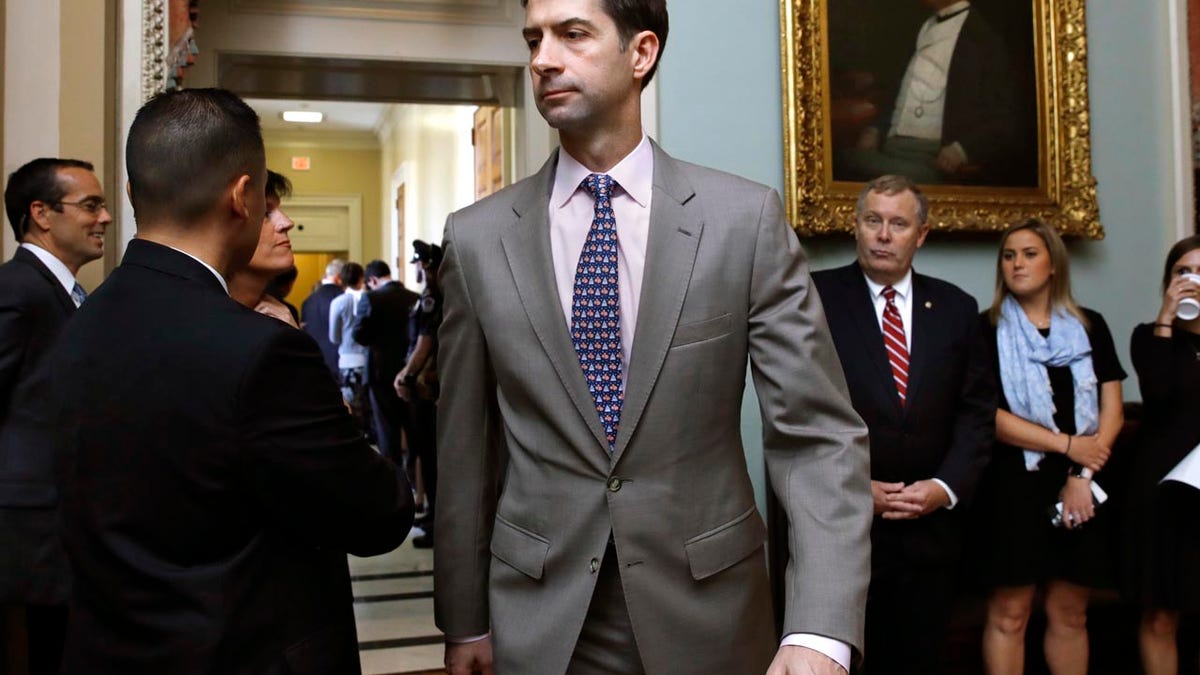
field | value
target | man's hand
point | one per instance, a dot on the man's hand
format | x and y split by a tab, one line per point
468	658
869	139
882	492
951	158
399	385
790	660
918	499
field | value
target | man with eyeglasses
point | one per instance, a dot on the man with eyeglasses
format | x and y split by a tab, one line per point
57	211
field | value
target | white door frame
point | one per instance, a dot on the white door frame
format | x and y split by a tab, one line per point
351	202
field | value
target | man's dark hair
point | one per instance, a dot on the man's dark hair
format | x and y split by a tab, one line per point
633	17
278	185
352	274
36	181
377	269
185	148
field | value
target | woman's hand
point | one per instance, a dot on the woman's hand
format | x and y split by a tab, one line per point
1179	288
1088	451
1078	507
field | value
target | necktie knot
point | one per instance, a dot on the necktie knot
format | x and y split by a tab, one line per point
78	295
599	186
889	294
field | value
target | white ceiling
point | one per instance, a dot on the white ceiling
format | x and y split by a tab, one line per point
339	116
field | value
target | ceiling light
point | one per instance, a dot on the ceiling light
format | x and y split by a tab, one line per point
303	116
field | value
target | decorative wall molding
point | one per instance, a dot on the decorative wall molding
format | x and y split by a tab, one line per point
478	12
154	48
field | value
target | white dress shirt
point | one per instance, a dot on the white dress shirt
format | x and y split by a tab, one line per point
571	213
903	301
921	104
56	267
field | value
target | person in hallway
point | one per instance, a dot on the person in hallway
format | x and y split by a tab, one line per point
352	357
417	383
272	257
1161	537
1060	411
57	211
599	320
382	326
211	480
919	376
314	312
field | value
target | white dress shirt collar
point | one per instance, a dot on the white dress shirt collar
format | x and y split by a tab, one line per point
903	287
215	273
634	173
57	267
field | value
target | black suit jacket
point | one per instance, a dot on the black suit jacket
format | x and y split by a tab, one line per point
315	315
382	325
211	480
34	307
947	426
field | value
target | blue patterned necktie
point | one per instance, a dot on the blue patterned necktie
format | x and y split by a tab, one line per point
595	309
78	295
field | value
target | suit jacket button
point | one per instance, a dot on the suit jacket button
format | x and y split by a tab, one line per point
594	565
614	484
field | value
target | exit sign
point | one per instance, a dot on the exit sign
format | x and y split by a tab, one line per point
301	163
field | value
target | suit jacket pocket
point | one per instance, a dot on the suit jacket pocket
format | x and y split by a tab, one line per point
700	331
722	547
521	549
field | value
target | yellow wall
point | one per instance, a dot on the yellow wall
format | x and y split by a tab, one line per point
337	171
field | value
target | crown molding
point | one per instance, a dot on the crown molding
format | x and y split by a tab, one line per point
476	12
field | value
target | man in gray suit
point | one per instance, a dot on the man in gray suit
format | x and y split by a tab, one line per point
596	514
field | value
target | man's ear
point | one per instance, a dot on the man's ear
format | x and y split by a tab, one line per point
238	194
39	216
643	52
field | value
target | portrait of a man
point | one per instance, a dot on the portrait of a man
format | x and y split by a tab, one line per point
941	91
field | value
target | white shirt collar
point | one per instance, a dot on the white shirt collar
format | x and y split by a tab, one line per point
57	267
634	173
224	284
903	287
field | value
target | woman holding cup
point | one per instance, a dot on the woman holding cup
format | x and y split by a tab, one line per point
1060	411
1162	551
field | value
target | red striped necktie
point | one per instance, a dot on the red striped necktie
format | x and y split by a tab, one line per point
894	341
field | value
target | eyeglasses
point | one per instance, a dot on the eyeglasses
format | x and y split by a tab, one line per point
92	205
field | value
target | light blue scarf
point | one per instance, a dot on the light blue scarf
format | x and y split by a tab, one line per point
1024	357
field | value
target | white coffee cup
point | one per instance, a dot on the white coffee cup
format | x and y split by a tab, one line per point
1189	308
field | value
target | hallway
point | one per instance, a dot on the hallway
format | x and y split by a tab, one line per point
393	608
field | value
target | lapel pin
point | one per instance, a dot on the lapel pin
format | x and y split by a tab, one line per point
928	304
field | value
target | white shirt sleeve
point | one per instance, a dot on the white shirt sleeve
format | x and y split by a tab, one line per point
835	649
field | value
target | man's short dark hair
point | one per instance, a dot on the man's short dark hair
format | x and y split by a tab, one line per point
36	181
185	148
278	185
352	274
377	269
635	16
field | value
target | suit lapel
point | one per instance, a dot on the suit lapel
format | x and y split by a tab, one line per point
675	228
922	320
60	294
862	308
526	244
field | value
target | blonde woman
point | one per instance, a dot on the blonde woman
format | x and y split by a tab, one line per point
1060	411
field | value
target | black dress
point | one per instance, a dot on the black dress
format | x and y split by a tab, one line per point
1014	542
1161	561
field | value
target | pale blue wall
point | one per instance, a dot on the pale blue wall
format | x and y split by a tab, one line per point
720	105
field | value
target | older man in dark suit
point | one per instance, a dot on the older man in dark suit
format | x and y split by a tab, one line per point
57	211
211	479
919	377
314	313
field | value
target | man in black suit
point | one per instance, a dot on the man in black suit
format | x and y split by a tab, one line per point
211	479
314	314
57	211
953	115
382	325
913	357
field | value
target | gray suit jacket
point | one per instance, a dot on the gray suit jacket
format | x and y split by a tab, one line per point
529	493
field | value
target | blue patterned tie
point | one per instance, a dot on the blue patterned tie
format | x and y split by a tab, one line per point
78	295
595	309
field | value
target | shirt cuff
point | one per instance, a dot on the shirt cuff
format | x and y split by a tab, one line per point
949	493
467	639
835	649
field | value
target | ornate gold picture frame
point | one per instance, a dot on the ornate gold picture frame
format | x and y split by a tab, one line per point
1043	166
